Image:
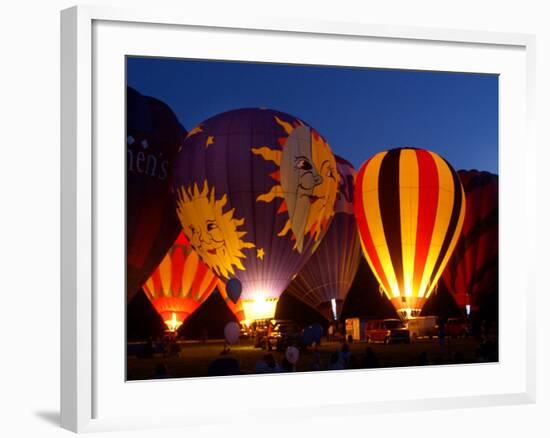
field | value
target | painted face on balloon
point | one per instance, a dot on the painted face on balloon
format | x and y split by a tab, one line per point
212	233
324	194
308	181
299	178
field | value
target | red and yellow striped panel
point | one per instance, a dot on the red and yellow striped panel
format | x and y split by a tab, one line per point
180	284
236	308
409	205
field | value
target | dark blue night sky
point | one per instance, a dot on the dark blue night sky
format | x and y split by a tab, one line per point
359	111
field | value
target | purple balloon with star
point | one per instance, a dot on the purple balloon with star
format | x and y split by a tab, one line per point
255	192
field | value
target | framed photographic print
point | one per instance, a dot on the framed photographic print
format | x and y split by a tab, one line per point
253	205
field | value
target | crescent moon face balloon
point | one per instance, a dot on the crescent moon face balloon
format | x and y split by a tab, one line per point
325	280
255	194
180	284
472	270
154	136
410	206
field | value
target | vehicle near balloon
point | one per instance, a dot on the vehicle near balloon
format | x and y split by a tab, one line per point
423	327
180	284
255	192
457	328
472	271
323	283
387	331
283	334
153	137
409	205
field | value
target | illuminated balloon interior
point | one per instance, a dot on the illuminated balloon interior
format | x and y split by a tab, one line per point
410	206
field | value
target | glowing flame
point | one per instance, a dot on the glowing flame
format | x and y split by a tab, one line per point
334	312
260	307
173	324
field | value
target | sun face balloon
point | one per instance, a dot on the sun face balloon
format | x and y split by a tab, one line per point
154	136
472	270
325	280
409	205
180	284
255	192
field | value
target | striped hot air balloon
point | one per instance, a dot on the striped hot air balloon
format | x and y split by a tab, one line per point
323	283
472	270
409	205
180	284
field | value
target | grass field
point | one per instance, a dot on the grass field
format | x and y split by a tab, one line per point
194	357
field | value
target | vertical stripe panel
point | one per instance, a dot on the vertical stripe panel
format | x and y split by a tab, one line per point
453	232
188	272
366	200
428	195
442	220
408	182
388	199
451	228
165	274
375	227
178	255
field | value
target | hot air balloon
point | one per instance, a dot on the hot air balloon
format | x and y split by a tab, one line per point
154	136
325	280
472	270
180	284
409	205
235	307
255	193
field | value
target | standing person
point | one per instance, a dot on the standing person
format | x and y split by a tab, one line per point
335	362
330	332
345	355
441	330
370	360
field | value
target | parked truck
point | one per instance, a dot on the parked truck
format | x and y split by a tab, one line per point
423	327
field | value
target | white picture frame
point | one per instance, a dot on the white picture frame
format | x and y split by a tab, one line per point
93	395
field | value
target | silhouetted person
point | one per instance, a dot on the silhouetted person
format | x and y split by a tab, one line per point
148	349
335	363
315	362
224	366
161	372
370	360
422	359
441	321
287	366
267	364
345	355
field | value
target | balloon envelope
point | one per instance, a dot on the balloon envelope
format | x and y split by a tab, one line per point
325	280
234	289
255	195
231	332
292	354
180	284
472	270
409	205
235	307
154	136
